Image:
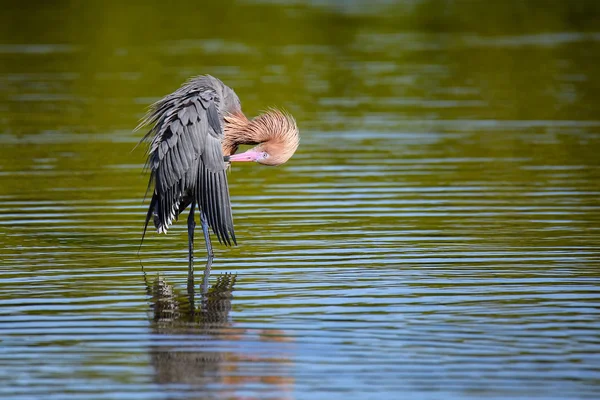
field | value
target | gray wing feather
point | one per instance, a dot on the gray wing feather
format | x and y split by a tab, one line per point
186	157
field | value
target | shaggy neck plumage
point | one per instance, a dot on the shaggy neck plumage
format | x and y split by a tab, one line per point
272	125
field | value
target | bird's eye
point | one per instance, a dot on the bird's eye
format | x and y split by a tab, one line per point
265	154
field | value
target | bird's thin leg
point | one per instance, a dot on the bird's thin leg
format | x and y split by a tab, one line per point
190	283
209	254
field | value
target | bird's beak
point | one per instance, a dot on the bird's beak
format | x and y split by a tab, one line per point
250	155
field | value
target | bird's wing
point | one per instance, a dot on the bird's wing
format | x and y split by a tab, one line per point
185	158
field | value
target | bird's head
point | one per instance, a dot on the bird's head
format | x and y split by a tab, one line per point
277	136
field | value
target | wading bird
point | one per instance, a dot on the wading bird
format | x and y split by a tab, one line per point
194	133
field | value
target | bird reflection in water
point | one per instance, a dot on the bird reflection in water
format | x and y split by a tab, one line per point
201	348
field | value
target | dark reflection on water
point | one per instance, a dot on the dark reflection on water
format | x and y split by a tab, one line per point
188	345
172	310
177	315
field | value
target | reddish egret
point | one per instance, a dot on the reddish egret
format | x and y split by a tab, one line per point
194	134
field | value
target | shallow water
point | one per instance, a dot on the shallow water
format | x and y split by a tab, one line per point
435	236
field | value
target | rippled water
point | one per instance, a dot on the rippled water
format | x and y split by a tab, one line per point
435	236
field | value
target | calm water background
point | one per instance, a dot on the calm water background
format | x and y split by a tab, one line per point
435	236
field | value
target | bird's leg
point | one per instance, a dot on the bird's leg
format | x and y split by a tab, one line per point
209	254
190	283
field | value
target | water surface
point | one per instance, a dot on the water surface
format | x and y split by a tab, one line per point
435	236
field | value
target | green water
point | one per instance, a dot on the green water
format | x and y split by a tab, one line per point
435	235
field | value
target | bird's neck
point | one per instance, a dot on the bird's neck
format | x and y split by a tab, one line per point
240	130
